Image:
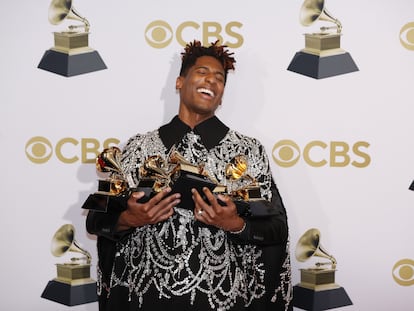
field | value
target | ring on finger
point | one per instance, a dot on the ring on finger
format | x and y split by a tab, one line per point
200	212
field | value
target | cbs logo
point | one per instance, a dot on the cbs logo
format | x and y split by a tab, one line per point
403	272
286	153
407	36
159	33
68	150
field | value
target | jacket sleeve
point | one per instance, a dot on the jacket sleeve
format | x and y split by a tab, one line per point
266	230
103	224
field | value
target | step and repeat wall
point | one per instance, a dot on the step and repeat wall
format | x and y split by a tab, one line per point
340	146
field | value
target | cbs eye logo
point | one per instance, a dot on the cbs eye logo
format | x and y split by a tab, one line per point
68	150
159	34
287	153
403	272
407	36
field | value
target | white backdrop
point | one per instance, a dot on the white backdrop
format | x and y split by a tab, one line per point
365	214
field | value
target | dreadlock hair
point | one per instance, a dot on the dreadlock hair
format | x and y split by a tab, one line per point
194	50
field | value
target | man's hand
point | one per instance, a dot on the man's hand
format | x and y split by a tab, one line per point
157	209
223	216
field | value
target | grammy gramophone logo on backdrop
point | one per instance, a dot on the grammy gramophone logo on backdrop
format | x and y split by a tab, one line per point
73	284
322	56
317	289
71	54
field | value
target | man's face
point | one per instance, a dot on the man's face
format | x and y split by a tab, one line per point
201	90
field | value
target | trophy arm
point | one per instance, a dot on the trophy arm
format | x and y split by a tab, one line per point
83	251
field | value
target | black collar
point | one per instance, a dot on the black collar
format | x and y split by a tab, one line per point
211	131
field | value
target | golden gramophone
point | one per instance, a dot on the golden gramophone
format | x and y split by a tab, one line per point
117	186
73	284
317	289
236	171
322	56
179	174
176	172
155	175
71	54
318	277
109	161
74	272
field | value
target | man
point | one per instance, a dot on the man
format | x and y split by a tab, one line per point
167	254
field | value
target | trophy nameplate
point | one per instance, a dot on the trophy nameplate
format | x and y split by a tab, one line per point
317	289
71	54
73	284
322	56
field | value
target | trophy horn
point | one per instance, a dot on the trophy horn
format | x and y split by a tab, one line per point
109	160
60	10
176	158
309	246
313	10
64	241
237	169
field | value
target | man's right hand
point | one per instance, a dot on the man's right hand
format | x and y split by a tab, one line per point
157	209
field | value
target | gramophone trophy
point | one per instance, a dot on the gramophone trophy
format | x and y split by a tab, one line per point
73	284
71	54
322	56
179	174
317	289
116	186
154	175
176	172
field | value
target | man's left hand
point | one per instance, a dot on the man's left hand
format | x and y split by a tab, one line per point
222	215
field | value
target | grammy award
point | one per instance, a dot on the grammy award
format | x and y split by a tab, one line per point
322	56
157	173
73	284
317	289
71	54
117	186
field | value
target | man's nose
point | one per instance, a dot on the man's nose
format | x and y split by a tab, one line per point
211	78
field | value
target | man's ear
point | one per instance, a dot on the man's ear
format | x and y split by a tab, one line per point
178	83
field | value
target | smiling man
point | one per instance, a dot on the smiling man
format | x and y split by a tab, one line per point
165	253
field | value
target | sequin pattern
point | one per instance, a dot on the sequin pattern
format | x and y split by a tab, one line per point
179	257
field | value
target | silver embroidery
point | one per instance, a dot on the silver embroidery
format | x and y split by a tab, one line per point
178	257
285	290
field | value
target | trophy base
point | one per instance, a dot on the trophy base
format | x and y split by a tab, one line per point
184	182
318	300
70	295
319	67
68	65
74	274
411	186
317	278
99	201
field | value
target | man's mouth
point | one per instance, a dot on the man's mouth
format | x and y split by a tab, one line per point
206	91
